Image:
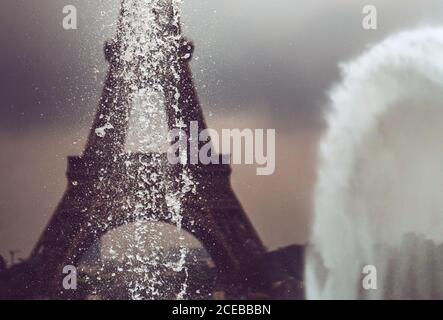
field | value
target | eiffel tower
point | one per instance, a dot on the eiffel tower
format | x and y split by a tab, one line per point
109	187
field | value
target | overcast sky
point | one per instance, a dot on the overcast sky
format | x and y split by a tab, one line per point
257	63
281	53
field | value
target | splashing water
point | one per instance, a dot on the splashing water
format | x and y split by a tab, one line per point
378	199
148	45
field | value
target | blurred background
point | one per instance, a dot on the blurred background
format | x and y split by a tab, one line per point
257	64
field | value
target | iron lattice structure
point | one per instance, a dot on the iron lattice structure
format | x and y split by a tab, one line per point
102	187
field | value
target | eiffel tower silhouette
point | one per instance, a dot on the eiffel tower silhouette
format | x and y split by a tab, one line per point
109	187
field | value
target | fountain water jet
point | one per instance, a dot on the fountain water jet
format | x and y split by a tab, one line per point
378	199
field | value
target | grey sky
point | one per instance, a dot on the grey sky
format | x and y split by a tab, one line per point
257	63
282	54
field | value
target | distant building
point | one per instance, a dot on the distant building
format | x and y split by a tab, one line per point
3	265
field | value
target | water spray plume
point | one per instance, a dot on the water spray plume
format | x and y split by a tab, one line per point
378	199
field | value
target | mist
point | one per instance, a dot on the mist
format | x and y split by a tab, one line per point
378	197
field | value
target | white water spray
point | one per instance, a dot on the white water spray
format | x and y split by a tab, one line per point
148	45
379	196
